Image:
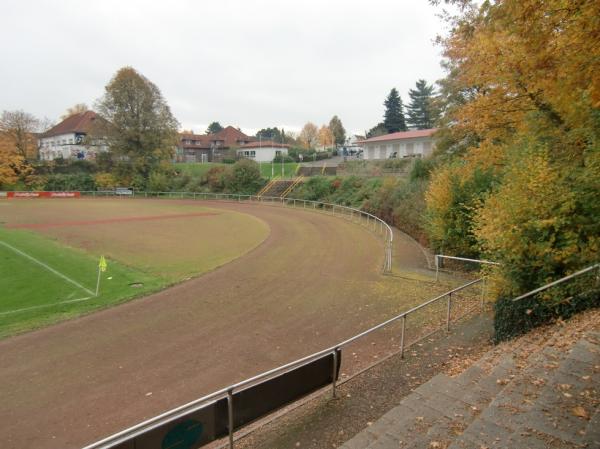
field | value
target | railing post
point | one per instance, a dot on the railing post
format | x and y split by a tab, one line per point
230	416
448	312
482	293
437	268
335	365
402	329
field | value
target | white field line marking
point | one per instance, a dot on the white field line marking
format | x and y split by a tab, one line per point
46	305
52	270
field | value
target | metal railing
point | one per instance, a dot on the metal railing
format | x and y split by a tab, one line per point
560	281
366	219
444	300
439	257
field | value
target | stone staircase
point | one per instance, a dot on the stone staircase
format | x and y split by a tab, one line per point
547	396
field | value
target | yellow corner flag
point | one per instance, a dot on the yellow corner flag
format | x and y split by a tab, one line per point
102	263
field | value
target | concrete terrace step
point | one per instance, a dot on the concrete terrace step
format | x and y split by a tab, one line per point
552	399
277	188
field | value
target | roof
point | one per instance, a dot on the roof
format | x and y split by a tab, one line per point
265	144
230	136
82	122
402	135
199	141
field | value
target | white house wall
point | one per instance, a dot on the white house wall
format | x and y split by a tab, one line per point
67	147
403	148
265	154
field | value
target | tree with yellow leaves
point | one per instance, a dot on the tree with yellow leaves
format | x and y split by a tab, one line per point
521	103
325	136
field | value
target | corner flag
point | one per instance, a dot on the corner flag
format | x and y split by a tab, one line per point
102	263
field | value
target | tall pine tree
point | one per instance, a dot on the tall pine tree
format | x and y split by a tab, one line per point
420	111
393	119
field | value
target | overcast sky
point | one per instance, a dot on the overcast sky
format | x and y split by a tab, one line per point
251	64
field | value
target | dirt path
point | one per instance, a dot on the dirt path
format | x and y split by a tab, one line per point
73	383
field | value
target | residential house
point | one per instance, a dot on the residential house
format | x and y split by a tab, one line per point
210	147
71	139
414	143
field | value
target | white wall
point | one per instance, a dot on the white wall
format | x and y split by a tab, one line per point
264	154
421	146
66	146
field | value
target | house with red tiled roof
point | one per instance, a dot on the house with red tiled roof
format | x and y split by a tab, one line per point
70	138
414	143
210	147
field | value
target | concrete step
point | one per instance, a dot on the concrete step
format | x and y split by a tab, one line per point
539	407
549	400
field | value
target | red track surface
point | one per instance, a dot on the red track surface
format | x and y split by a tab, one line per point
312	283
107	221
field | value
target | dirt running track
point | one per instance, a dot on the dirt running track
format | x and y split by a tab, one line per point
70	384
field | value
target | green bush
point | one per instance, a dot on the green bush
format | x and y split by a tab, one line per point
244	178
158	182
67	182
513	318
286	158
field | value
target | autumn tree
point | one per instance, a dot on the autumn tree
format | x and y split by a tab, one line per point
421	112
309	135
393	118
521	101
13	166
214	128
139	126
18	128
336	127
325	137
76	109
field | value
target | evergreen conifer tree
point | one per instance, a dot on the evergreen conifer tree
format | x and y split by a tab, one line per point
393	119
420	112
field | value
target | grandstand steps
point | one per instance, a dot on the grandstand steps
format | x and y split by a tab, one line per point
549	398
276	188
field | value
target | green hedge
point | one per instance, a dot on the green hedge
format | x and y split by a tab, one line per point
513	318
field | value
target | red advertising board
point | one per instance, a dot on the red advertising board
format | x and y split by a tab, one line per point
21	195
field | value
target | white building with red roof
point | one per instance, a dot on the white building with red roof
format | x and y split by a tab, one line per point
70	139
414	143
262	151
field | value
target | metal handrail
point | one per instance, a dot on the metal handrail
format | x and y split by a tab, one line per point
437	258
559	281
197	404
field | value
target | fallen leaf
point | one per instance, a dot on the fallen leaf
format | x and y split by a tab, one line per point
580	412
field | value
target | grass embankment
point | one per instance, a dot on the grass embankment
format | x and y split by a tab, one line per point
196	169
267	169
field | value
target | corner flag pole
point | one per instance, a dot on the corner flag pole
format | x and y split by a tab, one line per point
101	268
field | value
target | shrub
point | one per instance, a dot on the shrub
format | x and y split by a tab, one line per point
64	182
158	182
244	178
105	181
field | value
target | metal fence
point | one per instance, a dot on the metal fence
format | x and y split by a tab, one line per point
414	325
472	263
370	221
